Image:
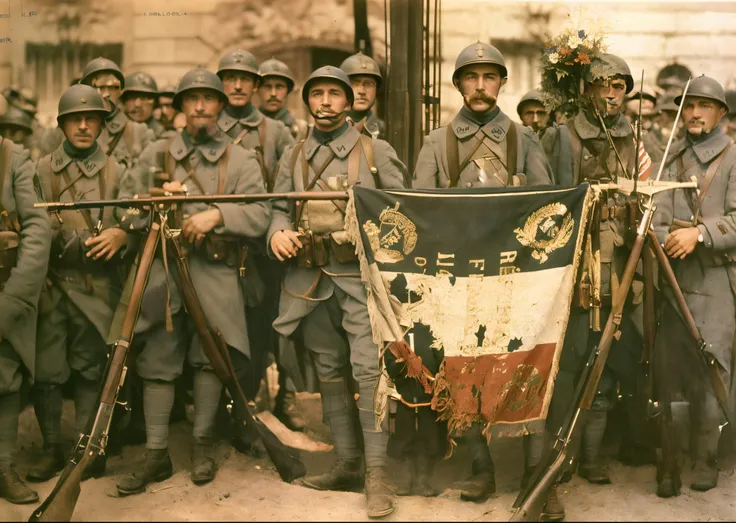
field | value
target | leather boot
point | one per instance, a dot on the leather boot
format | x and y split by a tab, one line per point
378	496
157	467
405	477
286	412
705	475
48	465
12	487
667	487
203	465
590	467
482	484
344	475
553	509
422	484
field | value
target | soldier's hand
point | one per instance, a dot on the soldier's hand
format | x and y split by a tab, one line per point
196	227
681	242
285	244
173	187
107	243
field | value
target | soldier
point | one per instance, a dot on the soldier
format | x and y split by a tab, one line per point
17	126
366	78
556	145
495	152
595	160
277	82
76	306
166	106
672	78
242	121
666	117
651	134
139	100
24	253
27	101
698	234
322	294
268	138
121	138
201	158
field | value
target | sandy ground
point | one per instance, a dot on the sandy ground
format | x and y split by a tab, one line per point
248	489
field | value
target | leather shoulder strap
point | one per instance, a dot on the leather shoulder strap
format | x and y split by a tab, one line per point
576	146
453	156
224	161
512	150
710	174
114	143
295	155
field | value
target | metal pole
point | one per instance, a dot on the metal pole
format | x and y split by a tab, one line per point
397	116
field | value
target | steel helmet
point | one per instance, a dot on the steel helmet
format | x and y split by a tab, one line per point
328	72
140	83
100	65
360	64
238	60
532	96
706	87
479	53
608	65
80	98
17	117
273	67
199	78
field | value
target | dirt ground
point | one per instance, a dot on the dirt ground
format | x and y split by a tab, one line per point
248	489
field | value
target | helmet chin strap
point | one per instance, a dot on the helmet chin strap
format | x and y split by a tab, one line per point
333	119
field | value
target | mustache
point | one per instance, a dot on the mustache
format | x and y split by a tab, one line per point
696	121
481	97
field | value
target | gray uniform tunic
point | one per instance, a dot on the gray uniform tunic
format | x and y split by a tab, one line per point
139	134
75	311
218	285
432	168
707	277
277	139
330	302
19	296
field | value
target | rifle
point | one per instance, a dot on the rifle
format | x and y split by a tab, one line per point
287	463
530	503
59	505
162	202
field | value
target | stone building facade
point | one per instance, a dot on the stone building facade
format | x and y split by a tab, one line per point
50	40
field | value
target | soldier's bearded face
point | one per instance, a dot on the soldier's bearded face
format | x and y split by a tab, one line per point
701	115
239	87
609	95
273	91
480	84
109	88
167	110
364	89
328	103
139	106
82	129
534	115
201	107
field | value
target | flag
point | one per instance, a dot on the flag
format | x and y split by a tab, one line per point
645	163
490	273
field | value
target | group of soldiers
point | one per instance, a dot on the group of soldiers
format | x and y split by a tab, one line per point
270	273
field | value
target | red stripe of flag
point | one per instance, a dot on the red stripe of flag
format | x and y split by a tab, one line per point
645	163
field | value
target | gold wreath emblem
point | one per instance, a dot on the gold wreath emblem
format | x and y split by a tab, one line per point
394	238
543	231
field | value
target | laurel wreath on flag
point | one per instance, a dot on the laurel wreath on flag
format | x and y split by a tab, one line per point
566	58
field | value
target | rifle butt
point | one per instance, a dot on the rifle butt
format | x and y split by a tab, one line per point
532	507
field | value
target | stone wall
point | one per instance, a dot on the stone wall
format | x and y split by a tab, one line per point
168	37
700	35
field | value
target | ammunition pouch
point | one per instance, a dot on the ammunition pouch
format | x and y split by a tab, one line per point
317	249
9	242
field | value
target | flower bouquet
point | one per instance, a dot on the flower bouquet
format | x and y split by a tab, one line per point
566	59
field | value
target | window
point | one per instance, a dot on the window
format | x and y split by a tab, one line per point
51	68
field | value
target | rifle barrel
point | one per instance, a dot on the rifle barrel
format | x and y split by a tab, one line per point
199	198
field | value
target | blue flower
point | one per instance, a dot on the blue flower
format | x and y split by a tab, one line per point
581	34
550	50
